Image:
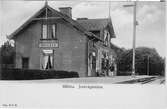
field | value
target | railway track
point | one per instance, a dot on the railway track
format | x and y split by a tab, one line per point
139	81
162	81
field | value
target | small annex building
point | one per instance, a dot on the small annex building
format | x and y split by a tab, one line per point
51	39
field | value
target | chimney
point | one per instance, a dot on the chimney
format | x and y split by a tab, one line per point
66	11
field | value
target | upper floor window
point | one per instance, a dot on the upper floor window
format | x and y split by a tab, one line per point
44	31
49	31
54	31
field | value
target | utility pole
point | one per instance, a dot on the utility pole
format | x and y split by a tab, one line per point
147	65
46	17
134	39
109	16
134	35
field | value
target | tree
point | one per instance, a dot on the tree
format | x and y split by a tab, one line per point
146	59
7	54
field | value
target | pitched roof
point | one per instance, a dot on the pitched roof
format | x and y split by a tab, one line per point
74	23
97	24
93	24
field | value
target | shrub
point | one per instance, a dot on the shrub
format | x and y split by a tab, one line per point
123	73
30	74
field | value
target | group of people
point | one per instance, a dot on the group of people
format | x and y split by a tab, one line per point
107	68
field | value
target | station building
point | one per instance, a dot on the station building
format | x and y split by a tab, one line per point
52	39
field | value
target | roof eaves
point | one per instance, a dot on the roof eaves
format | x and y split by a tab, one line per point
76	24
11	36
73	22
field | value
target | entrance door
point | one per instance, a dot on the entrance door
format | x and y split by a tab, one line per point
92	64
25	63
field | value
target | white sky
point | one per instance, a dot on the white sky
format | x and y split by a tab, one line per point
150	15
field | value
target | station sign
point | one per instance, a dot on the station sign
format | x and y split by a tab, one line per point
48	44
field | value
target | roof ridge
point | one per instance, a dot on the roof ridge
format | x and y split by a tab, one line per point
93	19
72	21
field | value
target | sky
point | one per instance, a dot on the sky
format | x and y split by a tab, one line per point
150	15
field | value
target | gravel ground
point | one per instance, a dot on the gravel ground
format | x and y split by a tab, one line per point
80	80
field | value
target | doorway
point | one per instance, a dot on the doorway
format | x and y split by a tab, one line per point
92	64
25	63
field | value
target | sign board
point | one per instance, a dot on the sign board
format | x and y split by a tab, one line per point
48	51
48	44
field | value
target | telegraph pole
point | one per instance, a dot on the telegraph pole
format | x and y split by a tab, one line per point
134	35
109	16
46	17
134	38
147	65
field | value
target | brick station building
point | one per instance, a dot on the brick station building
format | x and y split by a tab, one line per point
51	39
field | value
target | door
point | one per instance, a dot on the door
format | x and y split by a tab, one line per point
92	64
25	63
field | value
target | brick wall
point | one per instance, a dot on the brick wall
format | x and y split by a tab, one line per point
27	46
72	51
71	55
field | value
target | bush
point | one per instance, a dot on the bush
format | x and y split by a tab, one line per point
123	73
30	74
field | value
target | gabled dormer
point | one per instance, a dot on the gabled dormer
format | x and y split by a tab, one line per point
102	28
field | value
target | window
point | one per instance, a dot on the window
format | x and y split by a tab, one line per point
47	59
49	31
25	63
44	31
54	31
